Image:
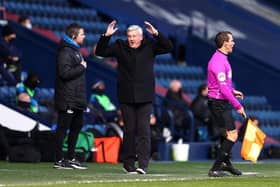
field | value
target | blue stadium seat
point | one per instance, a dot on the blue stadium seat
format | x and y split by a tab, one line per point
45	94
8	94
165	58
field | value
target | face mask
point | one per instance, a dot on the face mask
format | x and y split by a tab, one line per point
34	84
23	105
11	40
99	91
29	26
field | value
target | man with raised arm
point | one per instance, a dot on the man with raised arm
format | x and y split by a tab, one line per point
136	85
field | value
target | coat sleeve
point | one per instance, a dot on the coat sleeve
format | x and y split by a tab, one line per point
103	48
162	44
68	70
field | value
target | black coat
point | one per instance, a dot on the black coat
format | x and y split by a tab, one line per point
200	109
135	75
70	84
179	107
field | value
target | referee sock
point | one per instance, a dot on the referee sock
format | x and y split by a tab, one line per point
219	160
227	145
223	154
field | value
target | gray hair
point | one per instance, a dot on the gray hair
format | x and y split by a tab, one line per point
135	28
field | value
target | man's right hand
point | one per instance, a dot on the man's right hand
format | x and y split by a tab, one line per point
84	63
111	29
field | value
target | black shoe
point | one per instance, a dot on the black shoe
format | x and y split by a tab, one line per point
62	164
129	170
76	164
216	174
231	169
141	171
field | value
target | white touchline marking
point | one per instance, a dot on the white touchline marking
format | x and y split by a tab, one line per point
250	173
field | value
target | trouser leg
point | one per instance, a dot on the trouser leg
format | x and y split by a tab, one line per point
63	122
4	144
75	127
129	151
143	142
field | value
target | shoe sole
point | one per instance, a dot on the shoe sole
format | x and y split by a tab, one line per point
140	171
60	167
78	167
129	172
231	172
217	175
220	174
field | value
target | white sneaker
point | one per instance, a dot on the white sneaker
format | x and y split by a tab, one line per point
129	171
141	171
76	164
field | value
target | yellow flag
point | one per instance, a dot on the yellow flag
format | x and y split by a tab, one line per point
253	142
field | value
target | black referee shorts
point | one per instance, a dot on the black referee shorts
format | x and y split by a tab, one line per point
221	114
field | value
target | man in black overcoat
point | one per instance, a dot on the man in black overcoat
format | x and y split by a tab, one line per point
135	87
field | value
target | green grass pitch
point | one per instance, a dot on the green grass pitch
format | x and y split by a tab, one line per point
172	174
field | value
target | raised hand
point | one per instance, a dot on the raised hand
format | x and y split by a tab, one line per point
150	28
111	29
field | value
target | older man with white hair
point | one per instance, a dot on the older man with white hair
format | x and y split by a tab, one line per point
136	85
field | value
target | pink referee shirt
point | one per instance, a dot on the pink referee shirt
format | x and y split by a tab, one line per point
219	79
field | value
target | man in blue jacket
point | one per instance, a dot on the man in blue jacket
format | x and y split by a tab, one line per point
70	94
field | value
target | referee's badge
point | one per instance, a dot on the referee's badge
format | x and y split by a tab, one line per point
221	77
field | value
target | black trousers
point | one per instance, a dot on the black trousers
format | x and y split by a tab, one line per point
221	117
222	121
73	122
7	75
137	135
4	144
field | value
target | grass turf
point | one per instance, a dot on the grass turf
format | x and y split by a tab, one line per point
173	174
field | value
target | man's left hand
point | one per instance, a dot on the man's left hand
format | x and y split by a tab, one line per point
238	94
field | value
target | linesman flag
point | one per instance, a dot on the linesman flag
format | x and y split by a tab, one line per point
252	142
